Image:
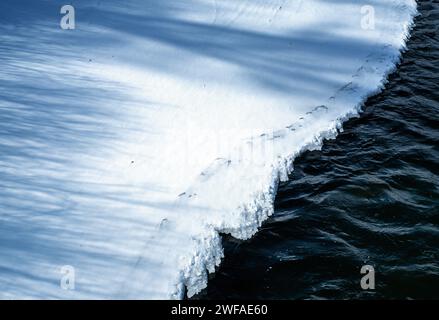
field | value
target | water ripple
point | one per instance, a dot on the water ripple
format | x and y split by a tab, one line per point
369	197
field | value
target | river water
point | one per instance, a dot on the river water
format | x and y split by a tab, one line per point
369	197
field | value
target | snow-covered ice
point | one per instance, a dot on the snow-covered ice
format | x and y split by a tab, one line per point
128	145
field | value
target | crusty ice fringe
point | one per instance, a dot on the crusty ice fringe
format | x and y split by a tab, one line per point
209	250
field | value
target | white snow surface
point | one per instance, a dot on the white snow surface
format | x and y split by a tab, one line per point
130	144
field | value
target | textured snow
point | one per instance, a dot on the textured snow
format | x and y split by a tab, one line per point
128	145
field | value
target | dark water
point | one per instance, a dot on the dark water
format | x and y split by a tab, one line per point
369	197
